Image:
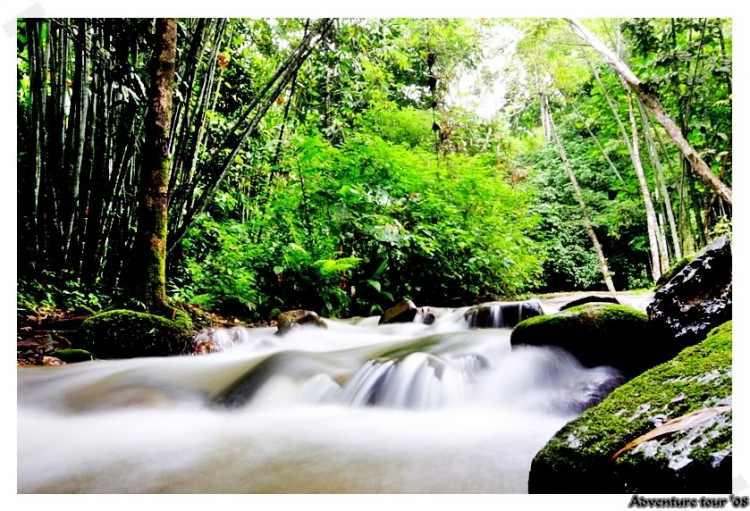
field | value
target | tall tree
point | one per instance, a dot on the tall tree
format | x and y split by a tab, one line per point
654	105
149	254
651	222
579	197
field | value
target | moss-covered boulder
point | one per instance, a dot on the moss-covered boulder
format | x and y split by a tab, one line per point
180	317
128	334
684	408
613	335
72	355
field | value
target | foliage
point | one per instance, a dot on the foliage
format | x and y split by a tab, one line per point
325	165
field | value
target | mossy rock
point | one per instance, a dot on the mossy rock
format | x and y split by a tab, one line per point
695	459
72	355
180	317
673	270
613	335
128	334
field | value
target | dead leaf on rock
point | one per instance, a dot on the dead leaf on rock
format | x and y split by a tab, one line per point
52	361
677	424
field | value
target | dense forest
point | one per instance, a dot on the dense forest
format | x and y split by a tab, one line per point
250	166
336	255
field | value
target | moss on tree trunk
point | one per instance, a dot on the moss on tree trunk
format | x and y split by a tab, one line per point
149	254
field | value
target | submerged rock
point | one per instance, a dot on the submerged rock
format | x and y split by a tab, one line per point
697	299
428	315
590	299
502	314
294	319
668	430
613	335
402	312
129	334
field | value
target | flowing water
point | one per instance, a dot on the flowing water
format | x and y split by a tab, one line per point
353	408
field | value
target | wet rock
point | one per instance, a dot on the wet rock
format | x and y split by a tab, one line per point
589	299
502	314
128	334
605	451
402	312
612	335
673	270
294	319
697	299
428	315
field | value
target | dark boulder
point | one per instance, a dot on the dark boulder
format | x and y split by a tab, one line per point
611	335
294	319
402	312
697	299
668	430
590	299
673	270
502	314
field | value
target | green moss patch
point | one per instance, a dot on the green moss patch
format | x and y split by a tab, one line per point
72	355
614	335
128	334
696	459
182	318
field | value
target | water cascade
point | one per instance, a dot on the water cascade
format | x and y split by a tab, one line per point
432	406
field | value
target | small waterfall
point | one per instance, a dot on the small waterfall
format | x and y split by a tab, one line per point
419	381
502	314
355	407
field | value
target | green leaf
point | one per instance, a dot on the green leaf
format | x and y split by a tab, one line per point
380	269
375	284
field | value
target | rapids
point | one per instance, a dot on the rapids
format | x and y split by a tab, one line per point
355	408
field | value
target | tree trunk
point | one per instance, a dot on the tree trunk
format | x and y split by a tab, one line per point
581	203
149	254
654	105
656	162
651	222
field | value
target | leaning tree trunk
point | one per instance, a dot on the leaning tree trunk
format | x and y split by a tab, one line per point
651	223
654	105
149	252
579	197
656	162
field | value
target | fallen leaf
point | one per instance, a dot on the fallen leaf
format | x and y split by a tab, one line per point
52	361
677	424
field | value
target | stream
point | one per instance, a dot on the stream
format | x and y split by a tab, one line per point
354	408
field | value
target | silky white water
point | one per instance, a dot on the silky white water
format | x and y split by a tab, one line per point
354	408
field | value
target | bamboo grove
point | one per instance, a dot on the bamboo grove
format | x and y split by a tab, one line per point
81	120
